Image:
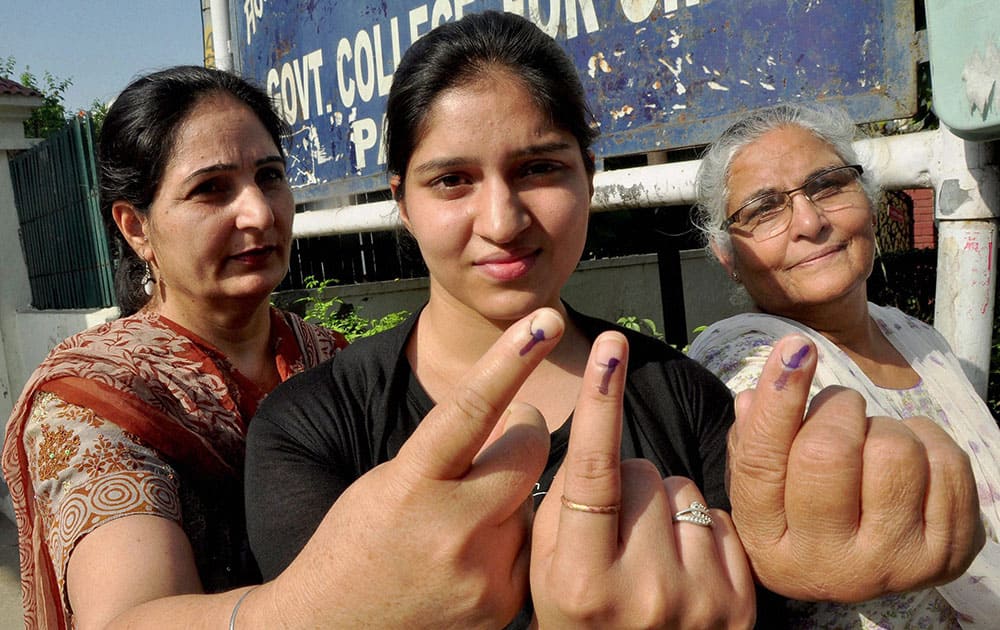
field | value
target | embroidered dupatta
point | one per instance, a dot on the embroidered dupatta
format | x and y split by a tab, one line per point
162	383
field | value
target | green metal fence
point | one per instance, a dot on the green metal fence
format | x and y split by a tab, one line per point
65	245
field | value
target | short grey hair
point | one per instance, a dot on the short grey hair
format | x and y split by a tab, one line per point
830	124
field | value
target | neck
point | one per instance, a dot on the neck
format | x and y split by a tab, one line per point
845	322
239	331
450	338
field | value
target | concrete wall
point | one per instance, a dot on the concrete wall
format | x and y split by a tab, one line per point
15	292
709	293
609	289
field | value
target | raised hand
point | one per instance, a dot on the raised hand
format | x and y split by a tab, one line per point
438	535
605	552
842	507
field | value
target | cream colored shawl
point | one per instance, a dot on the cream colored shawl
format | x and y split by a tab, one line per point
975	595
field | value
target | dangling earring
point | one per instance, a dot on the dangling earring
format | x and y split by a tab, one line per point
148	280
735	276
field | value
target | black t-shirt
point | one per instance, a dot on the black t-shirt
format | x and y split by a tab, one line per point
321	430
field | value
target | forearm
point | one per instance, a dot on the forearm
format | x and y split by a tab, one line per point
195	612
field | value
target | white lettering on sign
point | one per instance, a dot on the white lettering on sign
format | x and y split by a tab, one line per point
364	136
293	87
639	10
554	11
418	17
253	10
362	68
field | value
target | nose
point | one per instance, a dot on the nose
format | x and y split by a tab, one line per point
253	209
500	214
807	219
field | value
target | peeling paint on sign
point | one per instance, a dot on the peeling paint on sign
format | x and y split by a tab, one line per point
980	78
658	73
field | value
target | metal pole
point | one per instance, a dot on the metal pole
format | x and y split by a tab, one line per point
220	34
967	206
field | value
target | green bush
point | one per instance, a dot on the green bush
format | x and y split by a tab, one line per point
334	313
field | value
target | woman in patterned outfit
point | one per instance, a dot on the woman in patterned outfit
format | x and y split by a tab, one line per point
787	211
125	450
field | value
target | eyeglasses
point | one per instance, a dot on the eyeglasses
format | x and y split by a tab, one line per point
770	214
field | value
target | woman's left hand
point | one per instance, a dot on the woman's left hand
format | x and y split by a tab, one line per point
605	550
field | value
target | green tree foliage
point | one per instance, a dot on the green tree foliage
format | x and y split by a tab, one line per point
51	116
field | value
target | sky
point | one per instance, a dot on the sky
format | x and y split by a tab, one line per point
101	45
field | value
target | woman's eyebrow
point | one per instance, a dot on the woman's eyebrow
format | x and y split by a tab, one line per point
771	189
431	166
545	147
229	166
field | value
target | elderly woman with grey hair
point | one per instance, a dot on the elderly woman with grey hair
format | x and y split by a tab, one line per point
787	208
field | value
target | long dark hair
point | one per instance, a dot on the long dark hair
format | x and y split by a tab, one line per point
137	141
456	52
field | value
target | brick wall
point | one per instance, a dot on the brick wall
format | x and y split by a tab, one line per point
923	218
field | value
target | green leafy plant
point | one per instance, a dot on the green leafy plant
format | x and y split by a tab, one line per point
640	324
332	312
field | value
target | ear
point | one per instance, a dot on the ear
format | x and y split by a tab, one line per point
724	255
396	189
132	224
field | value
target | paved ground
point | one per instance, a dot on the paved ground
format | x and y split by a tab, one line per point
10	582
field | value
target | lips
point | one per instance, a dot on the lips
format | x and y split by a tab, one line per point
507	266
815	256
254	254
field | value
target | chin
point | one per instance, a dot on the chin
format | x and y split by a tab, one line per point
514	307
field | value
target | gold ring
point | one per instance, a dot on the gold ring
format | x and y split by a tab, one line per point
590	509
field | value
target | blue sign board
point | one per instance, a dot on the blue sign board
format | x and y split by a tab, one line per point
659	74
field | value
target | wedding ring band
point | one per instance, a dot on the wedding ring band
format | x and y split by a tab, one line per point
590	509
696	513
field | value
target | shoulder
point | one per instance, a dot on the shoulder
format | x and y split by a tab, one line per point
738	335
735	349
348	376
895	323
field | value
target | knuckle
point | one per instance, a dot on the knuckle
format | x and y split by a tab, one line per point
641	470
579	601
472	404
595	465
820	447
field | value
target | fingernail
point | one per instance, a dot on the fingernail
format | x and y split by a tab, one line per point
607	355
794	351
545	324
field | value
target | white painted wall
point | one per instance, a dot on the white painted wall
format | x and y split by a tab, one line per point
14	290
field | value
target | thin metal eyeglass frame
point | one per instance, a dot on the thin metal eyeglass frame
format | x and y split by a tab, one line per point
733	218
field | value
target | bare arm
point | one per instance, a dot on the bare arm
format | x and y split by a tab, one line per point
126	562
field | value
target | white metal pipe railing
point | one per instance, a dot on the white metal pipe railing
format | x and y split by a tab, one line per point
965	290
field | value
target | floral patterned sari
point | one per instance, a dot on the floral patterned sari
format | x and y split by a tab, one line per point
138	416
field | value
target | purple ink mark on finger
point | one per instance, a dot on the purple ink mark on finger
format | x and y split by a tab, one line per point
790	366
608	372
536	336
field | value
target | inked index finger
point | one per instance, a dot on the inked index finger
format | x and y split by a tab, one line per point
591	480
766	426
450	436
